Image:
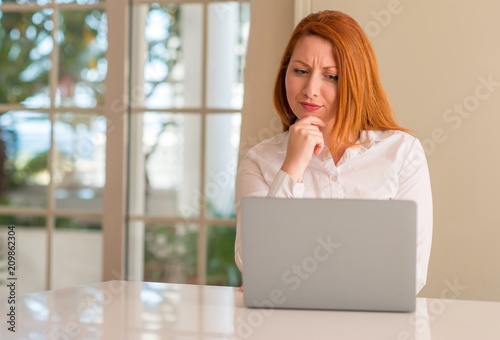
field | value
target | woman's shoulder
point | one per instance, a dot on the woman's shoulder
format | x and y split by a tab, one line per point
393	141
385	134
390	136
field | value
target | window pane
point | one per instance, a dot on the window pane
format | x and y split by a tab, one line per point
26	136
82	37
31	251
221	268
170	253
25	48
80	142
167	64
76	252
165	174
228	27
222	141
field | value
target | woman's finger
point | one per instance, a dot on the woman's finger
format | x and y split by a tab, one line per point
311	120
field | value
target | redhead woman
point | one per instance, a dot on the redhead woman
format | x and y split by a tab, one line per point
340	138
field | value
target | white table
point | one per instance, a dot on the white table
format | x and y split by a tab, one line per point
149	311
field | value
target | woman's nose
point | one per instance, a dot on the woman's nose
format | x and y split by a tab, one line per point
312	87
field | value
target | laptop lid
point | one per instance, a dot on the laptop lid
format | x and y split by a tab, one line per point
329	253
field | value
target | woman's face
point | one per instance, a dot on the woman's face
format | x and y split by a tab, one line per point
311	79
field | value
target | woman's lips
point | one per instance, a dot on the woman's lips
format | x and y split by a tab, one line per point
310	106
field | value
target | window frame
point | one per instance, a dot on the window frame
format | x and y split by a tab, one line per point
118	113
50	213
202	221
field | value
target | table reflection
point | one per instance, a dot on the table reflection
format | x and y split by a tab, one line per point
264	324
136	310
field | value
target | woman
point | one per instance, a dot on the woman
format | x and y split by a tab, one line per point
340	136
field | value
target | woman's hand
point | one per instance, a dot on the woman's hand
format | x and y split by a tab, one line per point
305	140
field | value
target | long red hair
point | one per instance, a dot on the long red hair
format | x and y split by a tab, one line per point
362	103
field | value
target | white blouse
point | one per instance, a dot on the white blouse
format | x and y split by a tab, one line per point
389	164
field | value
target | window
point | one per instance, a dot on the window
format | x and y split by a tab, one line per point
52	72
61	125
187	90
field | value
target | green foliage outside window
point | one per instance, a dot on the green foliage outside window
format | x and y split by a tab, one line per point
26	45
23	73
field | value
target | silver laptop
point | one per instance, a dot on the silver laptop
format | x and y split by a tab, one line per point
329	254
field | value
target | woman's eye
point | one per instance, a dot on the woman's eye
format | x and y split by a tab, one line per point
331	77
299	72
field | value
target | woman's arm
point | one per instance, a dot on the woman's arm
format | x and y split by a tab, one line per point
414	184
252	182
263	173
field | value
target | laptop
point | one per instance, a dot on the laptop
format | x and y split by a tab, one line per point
329	254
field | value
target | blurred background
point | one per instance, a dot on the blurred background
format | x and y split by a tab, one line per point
186	94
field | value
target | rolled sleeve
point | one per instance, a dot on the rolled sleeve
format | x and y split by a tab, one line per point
284	186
